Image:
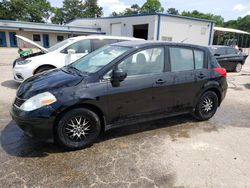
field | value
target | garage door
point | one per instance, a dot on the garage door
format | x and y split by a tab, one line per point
116	29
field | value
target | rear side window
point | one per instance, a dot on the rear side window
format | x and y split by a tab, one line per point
220	51
199	58
181	59
231	51
83	46
98	43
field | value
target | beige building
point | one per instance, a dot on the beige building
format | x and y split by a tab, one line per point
44	34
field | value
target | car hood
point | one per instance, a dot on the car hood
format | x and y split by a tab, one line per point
32	43
48	81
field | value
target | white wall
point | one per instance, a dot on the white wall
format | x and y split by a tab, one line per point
191	31
126	24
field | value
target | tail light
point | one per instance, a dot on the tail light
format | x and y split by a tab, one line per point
221	71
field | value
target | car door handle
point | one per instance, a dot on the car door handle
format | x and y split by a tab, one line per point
160	82
201	76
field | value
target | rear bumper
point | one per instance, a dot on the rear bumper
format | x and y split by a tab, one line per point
37	124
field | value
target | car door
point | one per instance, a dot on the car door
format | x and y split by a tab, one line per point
133	98
79	49
182	78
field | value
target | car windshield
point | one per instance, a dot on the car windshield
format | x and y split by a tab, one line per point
96	60
59	45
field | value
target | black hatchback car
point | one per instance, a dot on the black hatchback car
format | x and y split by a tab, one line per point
230	58
116	85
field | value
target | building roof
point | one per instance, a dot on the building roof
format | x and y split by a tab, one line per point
152	14
230	30
34	26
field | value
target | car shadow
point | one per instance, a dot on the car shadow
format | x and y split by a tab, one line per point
10	84
16	143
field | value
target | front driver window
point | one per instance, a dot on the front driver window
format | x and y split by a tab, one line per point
83	46
147	61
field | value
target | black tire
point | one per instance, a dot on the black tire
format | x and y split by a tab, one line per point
204	109
43	68
238	67
68	136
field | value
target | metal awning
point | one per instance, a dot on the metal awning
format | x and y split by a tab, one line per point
230	30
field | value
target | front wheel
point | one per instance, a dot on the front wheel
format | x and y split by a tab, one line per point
206	106
78	129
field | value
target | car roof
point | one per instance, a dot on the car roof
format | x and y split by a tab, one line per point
103	37
146	43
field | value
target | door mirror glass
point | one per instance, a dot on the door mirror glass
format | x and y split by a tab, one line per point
71	51
117	76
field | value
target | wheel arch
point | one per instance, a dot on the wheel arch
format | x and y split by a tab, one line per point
88	106
213	87
44	65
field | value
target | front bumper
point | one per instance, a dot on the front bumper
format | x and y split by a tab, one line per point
21	73
37	124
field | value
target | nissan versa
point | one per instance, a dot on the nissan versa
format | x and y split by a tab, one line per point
116	85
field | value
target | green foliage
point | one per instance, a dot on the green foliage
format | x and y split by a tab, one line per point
25	10
173	11
240	23
196	14
76	9
134	9
91	9
152	6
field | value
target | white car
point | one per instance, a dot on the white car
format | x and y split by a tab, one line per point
59	55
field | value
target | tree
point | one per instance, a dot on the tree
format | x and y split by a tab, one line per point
173	11
76	9
134	9
152	6
25	10
196	14
91	9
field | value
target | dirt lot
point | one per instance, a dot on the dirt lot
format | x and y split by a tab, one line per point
173	152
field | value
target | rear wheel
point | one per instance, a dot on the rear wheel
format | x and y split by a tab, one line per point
238	67
78	129
43	68
207	106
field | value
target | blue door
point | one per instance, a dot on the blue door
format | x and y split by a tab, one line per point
13	42
46	40
3	39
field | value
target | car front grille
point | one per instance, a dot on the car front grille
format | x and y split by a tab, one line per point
18	102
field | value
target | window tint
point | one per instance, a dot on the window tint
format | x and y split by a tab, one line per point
181	59
199	59
147	61
60	38
98	43
82	46
231	51
220	51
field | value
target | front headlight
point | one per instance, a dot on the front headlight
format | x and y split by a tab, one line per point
22	62
38	101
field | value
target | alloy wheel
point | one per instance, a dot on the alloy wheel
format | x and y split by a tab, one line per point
78	128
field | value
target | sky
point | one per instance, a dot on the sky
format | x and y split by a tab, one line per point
228	9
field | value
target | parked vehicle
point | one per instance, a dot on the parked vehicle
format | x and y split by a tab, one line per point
228	57
116	85
59	55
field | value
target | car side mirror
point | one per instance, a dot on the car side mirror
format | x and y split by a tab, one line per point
71	51
117	76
